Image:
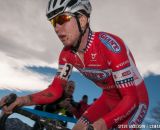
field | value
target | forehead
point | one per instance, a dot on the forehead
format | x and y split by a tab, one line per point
70	84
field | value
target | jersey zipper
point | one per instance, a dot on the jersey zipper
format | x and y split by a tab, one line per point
88	41
80	59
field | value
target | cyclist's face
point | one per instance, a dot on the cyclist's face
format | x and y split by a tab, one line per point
68	32
85	99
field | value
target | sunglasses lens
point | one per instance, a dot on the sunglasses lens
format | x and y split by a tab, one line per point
53	22
61	19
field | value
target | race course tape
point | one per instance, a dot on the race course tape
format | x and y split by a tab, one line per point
50	115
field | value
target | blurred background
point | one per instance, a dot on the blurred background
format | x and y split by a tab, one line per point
29	48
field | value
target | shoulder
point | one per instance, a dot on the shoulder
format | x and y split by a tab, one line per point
66	55
115	50
112	42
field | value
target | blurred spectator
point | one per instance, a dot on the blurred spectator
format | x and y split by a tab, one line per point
83	106
94	99
64	106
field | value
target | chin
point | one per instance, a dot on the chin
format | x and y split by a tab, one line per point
67	44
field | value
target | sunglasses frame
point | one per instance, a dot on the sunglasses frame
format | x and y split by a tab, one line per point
60	20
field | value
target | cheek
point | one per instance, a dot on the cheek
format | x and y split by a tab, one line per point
73	32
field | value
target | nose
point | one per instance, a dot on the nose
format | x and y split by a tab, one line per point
57	28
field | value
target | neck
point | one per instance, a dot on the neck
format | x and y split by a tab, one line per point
84	40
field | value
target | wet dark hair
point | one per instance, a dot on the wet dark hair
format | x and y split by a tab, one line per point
85	96
83	12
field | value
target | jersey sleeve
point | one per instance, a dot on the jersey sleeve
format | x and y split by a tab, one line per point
119	63
55	90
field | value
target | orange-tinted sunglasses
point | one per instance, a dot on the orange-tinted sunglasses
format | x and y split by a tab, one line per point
61	19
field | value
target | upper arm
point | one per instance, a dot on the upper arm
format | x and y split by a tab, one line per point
56	88
120	64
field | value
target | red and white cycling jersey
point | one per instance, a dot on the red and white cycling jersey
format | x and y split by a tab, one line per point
110	65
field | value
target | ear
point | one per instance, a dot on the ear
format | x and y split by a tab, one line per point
83	21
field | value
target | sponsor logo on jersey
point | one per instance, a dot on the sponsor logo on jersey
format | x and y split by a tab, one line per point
139	115
110	42
64	59
126	73
109	63
124	63
95	65
123	74
93	74
93	56
122	117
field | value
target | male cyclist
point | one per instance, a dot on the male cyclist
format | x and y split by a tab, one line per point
101	57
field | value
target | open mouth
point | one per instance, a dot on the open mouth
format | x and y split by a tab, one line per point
62	37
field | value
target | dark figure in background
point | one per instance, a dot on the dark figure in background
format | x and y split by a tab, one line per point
94	100
83	106
62	106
